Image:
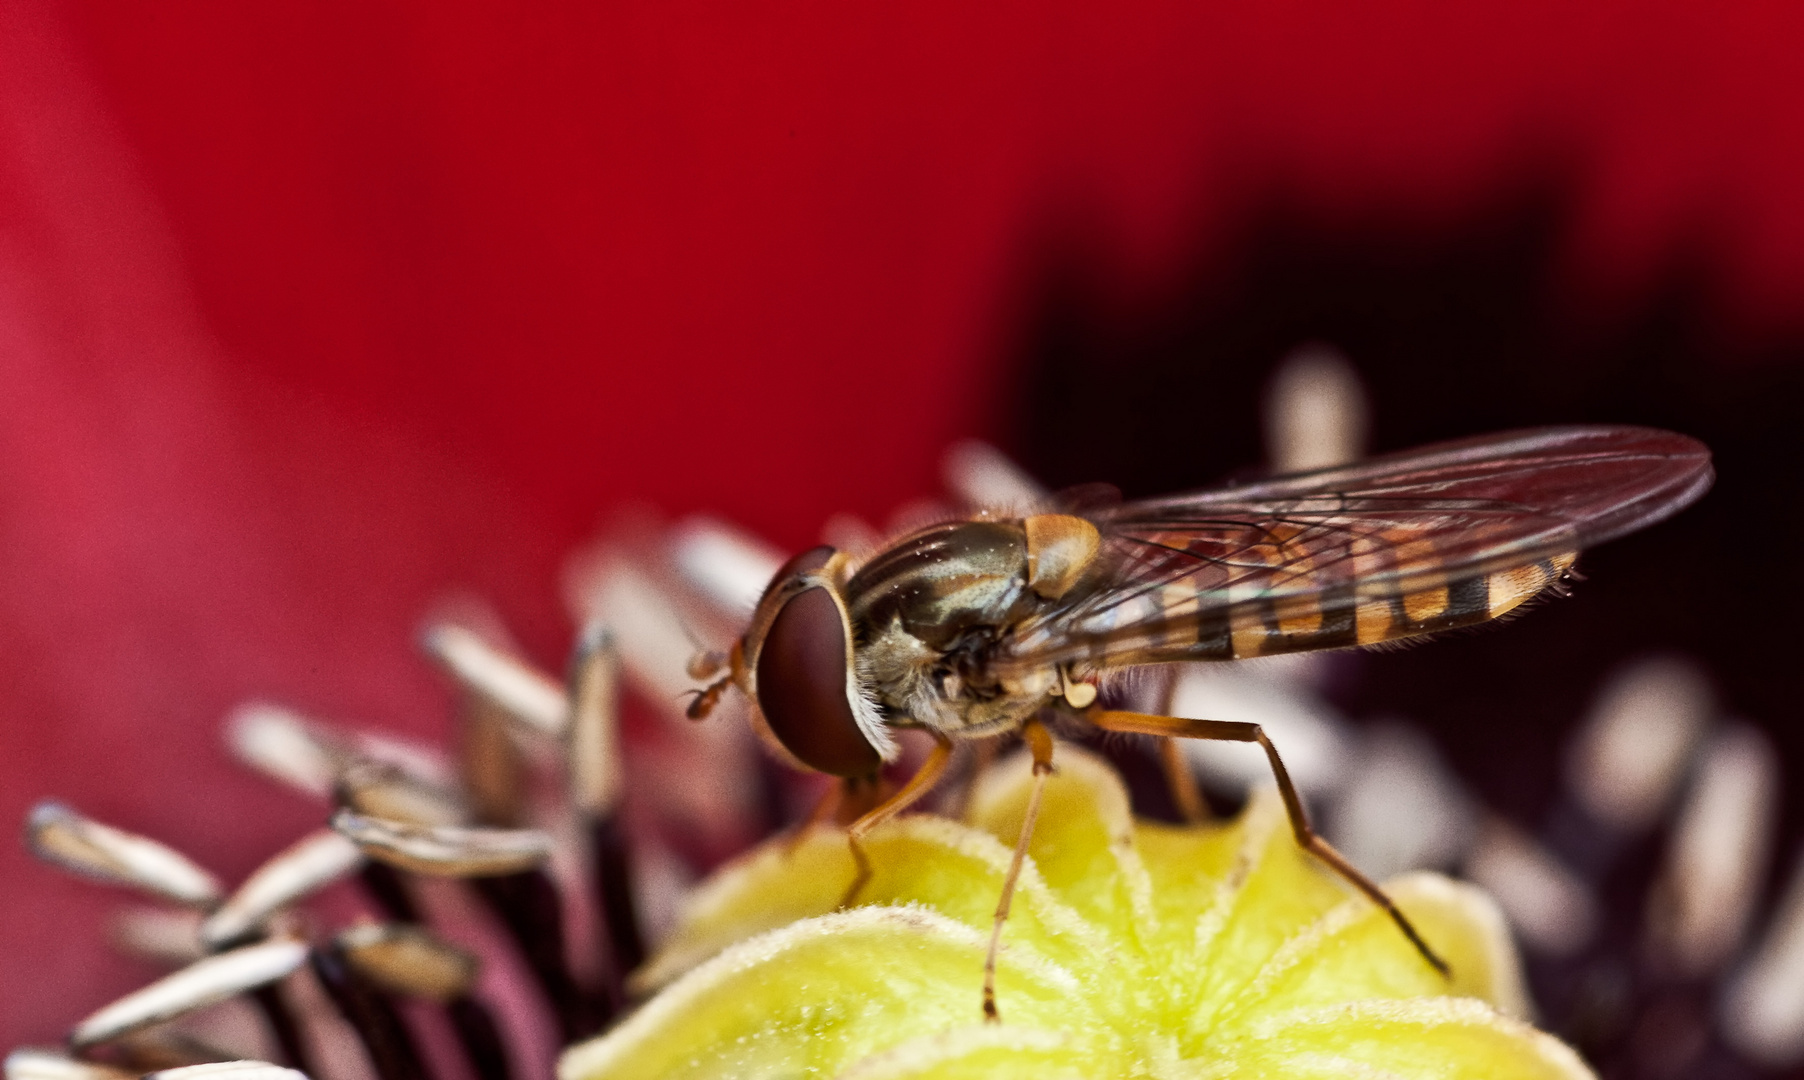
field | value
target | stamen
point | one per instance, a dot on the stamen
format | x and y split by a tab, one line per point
1315	411
596	788
1718	858
385	1038
162	1049
490	762
1548	904
445	850
62	837
304	868
522	691
36	1063
382	791
228	1070
163	936
409	960
202	983
529	907
984	478
728	566
388	891
278	743
1763	1010
1628	759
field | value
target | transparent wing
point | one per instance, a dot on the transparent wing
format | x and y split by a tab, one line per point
1391	547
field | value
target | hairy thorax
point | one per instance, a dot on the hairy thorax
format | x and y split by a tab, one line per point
931	612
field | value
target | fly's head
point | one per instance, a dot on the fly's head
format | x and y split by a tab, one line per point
835	659
799	664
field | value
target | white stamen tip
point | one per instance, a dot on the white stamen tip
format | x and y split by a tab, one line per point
983	477
727	565
1763	1009
1547	903
65	838
1315	411
1633	750
228	1070
446	850
1719	852
305	867
522	691
201	983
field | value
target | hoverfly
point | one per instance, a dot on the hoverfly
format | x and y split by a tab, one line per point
998	623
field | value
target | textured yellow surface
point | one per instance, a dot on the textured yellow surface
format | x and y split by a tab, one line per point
1134	950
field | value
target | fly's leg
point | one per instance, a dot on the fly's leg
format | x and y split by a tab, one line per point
1180	778
982	755
825	808
918	785
1039	744
1182	782
1227	731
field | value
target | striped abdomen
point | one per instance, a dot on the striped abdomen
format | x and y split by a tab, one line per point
1201	627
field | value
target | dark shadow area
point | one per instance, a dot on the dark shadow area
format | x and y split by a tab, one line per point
1460	330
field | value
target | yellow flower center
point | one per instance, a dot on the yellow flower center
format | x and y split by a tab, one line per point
1133	950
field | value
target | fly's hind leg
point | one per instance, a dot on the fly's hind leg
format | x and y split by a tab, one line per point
1180	777
1182	782
1039	744
1226	731
918	785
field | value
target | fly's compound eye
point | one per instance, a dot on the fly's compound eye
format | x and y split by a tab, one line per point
806	683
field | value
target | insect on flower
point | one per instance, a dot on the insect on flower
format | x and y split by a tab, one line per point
1003	623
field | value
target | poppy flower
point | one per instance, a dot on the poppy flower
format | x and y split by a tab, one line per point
308	316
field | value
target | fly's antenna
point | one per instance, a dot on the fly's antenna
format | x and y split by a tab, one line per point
707	698
703	661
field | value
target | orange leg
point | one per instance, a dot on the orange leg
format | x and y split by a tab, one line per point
825	808
1226	731
1180	778
918	785
1039	743
982	753
1182	782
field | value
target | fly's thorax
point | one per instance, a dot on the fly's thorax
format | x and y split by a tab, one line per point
931	611
955	694
944	582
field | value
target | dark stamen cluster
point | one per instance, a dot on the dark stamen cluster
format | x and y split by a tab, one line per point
394	820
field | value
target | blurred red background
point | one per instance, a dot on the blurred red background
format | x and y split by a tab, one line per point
310	313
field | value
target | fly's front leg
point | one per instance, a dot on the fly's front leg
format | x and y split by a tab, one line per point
1039	744
825	808
918	785
979	758
1227	731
